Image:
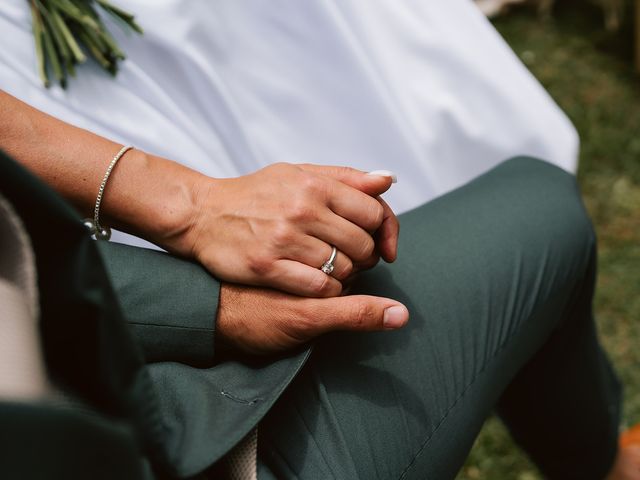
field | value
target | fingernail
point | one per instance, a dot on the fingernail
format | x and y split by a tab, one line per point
385	173
395	317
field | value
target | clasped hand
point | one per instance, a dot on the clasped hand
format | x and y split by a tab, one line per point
274	229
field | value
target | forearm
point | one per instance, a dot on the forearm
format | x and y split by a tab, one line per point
146	195
273	228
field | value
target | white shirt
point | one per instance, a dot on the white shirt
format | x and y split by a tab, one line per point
426	88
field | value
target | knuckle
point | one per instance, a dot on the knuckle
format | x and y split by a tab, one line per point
346	269
283	235
260	265
310	183
371	262
302	211
368	264
306	322
320	285
377	214
341	171
280	166
351	171
364	315
287	172
275	169
365	249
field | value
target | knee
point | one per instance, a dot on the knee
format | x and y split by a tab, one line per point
542	205
539	172
553	203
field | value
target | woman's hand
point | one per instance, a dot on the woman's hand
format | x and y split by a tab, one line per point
273	228
262	321
276	227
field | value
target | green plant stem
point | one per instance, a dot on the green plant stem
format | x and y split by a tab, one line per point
37	33
62	29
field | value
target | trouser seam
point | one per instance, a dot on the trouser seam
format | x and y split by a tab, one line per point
460	396
571	302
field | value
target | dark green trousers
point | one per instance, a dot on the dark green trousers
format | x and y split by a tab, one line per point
498	277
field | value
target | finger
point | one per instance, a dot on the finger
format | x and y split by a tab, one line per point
299	279
386	236
314	253
357	207
373	184
361	312
386	239
347	237
368	264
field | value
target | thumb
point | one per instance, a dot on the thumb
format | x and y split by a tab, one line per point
373	183
362	312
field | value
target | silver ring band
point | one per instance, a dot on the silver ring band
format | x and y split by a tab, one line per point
327	267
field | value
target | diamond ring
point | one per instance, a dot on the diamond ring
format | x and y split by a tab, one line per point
327	267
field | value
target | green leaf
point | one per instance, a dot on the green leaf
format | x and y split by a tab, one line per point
37	34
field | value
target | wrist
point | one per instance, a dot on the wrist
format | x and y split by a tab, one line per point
153	198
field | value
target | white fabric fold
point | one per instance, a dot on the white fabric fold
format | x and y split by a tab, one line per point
426	88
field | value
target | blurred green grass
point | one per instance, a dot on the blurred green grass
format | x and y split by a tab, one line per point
590	74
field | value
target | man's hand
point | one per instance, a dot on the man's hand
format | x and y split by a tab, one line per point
260	321
275	227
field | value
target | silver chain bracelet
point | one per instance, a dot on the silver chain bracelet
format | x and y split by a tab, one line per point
93	225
